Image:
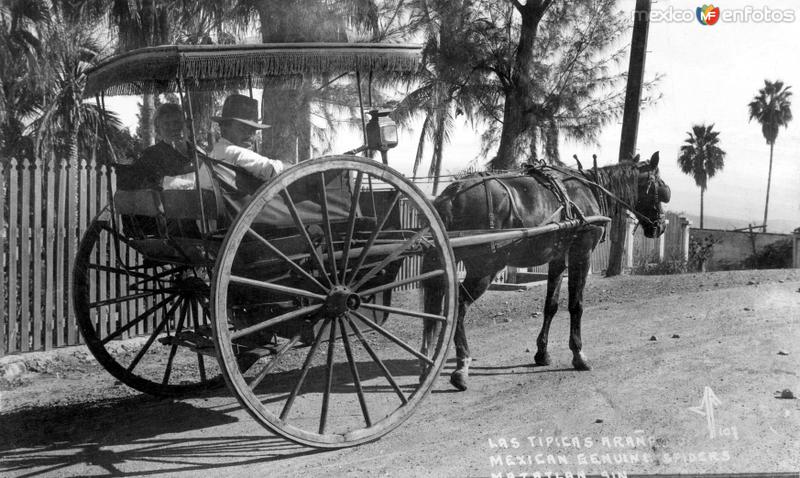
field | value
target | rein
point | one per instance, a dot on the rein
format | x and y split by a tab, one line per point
594	184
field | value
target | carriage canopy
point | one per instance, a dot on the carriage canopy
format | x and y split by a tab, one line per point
223	67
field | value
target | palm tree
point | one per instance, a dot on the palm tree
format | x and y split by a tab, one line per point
447	87
701	157
772	108
66	123
21	26
289	110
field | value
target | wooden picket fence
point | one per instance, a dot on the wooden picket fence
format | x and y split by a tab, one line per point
46	207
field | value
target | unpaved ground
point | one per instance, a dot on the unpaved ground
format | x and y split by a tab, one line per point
735	333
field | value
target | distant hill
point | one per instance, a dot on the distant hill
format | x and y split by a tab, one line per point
780	226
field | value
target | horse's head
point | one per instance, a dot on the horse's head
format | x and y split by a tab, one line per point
652	191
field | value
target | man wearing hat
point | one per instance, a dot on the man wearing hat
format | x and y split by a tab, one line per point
238	123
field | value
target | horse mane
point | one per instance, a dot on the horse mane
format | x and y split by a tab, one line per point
621	179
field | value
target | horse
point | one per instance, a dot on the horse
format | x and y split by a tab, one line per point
523	200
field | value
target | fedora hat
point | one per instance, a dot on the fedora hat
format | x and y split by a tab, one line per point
242	109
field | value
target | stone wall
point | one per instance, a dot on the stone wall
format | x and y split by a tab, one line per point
734	246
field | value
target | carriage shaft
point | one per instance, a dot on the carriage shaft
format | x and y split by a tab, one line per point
460	239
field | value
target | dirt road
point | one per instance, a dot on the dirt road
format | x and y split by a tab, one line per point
658	345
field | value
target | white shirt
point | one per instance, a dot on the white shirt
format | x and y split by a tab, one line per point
259	166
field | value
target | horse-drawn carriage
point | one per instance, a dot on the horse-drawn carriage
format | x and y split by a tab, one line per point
301	289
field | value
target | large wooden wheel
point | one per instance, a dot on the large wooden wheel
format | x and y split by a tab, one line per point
160	308
343	366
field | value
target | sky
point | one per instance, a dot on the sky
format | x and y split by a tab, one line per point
710	74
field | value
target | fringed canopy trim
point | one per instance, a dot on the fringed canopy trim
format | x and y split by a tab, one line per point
221	67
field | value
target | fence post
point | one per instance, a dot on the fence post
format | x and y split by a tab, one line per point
661	242
13	254
38	244
25	256
3	259
629	240
685	228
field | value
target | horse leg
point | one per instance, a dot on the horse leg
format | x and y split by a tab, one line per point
433	293
555	272
470	290
579	259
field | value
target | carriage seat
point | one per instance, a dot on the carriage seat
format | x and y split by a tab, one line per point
180	207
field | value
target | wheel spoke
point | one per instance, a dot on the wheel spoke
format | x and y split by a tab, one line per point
153	336
328	378
351	223
160	275
409	313
392	337
287	407
303	311
117	270
105	227
286	258
299	224
326	218
402	282
119	300
274	363
275	287
362	257
174	348
354	372
201	364
377	360
138	319
410	242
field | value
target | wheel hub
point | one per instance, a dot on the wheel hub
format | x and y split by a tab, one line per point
191	287
340	300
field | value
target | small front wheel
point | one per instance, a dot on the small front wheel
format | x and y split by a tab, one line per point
146	322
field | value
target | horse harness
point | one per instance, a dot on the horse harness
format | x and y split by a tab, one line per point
550	180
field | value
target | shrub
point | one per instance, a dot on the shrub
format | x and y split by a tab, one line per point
700	252
777	255
672	265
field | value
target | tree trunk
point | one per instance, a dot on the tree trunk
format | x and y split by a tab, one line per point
518	138
769	181
284	107
551	153
630	121
702	192
146	121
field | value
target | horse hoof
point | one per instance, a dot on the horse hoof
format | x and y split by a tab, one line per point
542	358
458	380
581	365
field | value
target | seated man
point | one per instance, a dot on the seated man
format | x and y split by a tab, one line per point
159	163
238	124
164	166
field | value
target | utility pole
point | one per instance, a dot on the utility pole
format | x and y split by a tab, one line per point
630	125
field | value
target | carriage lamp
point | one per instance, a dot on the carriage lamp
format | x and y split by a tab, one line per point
381	131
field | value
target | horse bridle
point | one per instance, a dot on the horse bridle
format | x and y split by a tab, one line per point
652	181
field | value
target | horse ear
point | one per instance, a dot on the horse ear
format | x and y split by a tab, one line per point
580	166
654	160
636	159
594	161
